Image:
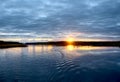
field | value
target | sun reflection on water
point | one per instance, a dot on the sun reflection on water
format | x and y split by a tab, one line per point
72	47
69	50
39	49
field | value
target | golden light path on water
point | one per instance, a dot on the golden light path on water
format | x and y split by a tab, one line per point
69	51
72	48
77	51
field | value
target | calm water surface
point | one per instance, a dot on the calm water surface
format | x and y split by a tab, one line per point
60	64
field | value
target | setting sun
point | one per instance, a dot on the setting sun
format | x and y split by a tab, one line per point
70	40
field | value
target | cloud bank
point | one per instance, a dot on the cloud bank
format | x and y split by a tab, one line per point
94	19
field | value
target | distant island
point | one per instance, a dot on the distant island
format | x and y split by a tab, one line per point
9	44
79	43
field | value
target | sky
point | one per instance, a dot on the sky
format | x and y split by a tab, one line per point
59	19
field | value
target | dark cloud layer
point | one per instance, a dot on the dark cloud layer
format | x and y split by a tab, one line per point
59	18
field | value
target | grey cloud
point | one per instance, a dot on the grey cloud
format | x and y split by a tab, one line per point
55	17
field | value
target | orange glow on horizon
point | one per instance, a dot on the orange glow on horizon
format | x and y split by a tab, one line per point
70	40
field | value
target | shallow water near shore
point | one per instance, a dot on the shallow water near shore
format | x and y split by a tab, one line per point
60	64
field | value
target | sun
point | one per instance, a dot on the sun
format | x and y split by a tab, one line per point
70	40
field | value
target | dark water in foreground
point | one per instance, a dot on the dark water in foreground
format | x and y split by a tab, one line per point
60	64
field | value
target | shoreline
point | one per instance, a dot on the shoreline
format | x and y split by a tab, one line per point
9	44
79	43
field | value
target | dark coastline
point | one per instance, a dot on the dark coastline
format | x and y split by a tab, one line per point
9	44
79	43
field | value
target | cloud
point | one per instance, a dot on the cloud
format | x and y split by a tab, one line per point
54	18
